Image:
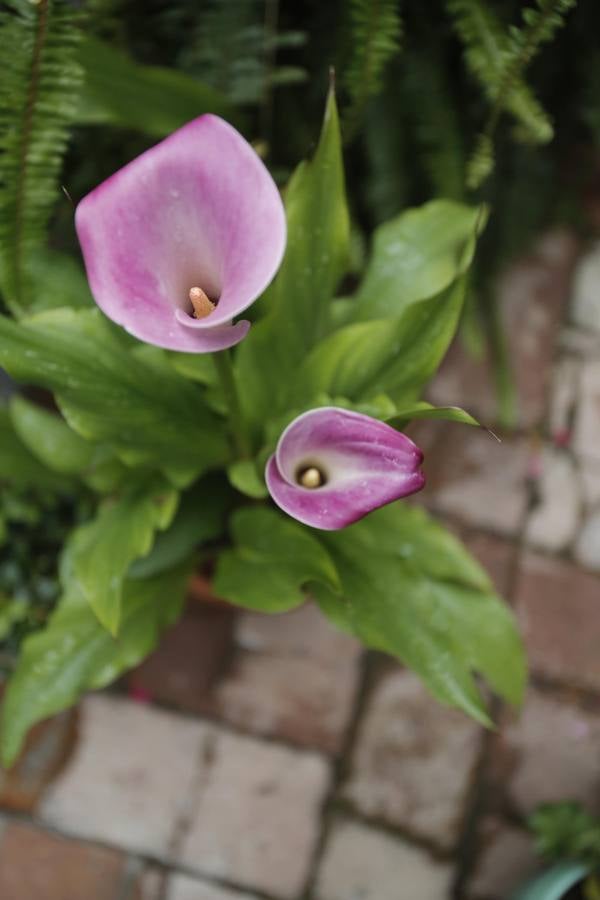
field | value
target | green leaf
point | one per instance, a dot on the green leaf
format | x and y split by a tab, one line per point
555	883
244	477
417	255
201	517
299	299
152	99
20	467
102	550
423	410
411	589
565	830
272	558
386	356
74	653
108	393
11	612
49	438
57	280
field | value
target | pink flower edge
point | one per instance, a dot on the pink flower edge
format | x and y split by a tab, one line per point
199	209
365	463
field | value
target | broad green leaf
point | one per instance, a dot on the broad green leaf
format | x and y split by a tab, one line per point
555	883
57	280
49	438
19	467
102	550
201	517
74	653
152	99
412	590
110	394
244	477
423	410
386	356
272	558
417	255
300	297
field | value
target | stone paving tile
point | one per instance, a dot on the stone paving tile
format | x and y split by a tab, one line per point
303	632
585	304
361	863
497	556
479	481
507	860
558	606
552	524
586	438
550	754
130	778
294	677
413	760
189	659
587	548
181	887
590	483
579	342
257	819
563	399
531	297
36	865
149	884
299	700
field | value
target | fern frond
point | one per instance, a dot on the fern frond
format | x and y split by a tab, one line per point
376	30
492	57
498	57
233	48
37	103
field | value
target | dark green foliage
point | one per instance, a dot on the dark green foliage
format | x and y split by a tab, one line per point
34	525
375	29
437	130
497	56
567	831
233	49
38	94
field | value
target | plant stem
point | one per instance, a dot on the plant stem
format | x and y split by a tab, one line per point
224	368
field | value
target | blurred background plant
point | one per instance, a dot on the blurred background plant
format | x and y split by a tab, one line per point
567	837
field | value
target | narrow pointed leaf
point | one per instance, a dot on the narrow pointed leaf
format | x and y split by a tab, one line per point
411	589
108	393
74	653
417	255
102	550
298	302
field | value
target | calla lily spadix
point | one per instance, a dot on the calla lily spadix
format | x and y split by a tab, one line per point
184	238
332	466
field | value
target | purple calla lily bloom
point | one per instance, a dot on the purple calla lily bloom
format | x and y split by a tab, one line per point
332	467
184	238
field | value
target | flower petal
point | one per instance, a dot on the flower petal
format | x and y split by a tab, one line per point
197	210
365	464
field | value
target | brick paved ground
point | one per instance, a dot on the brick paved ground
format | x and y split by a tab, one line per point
269	758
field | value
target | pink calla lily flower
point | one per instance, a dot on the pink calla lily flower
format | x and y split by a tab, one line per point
332	467
184	238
